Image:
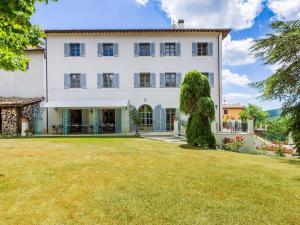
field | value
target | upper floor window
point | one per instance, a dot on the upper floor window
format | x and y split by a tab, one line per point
203	49
225	111
210	77
144	49
75	80
74	49
170	79
108	49
170	49
144	80
108	80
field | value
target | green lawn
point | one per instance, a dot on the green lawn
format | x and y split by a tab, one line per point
92	181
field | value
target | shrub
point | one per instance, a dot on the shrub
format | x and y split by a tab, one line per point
234	145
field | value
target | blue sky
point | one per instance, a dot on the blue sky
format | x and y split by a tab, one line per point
249	20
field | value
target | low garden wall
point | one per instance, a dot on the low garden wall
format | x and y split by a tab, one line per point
248	138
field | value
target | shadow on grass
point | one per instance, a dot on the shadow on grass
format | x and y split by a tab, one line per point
69	137
291	161
188	147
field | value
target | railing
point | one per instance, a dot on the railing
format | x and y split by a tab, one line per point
235	127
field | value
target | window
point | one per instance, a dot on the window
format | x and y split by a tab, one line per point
225	111
145	49
170	80
74	49
202	49
108	80
170	116
75	80
146	117
145	80
170	49
108	49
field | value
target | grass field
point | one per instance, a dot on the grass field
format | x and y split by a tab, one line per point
92	181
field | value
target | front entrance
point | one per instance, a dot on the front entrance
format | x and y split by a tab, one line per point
75	121
146	117
108	121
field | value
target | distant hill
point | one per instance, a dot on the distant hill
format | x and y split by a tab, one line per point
274	113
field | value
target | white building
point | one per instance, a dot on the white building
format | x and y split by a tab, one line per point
92	76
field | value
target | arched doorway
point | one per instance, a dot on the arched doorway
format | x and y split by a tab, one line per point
146	116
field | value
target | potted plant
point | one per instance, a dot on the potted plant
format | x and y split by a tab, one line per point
29	132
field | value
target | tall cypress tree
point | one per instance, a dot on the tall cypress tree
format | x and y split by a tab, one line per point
195	101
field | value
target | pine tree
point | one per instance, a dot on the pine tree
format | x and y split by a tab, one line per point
195	101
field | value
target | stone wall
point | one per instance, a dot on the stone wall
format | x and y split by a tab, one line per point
9	121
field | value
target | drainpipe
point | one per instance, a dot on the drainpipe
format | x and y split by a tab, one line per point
47	112
219	82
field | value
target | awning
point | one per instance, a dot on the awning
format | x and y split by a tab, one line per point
87	104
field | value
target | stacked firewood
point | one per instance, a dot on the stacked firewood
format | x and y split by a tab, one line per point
9	121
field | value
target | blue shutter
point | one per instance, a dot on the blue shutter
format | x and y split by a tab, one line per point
178	49
65	120
178	79
157	118
162	80
100	121
100	80
136	80
100	49
66	81
162	49
152	46
194	49
82	49
116	49
211	79
95	121
66	49
163	120
136	49
116	80
36	119
83	81
118	120
210	48
178	117
152	80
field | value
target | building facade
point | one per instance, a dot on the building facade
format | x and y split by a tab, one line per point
92	78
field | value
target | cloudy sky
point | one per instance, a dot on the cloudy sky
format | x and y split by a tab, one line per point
249	20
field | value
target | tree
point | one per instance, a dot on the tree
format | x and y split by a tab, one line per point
278	128
282	48
135	117
256	112
195	101
17	33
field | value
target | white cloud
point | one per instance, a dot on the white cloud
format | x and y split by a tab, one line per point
285	9
234	78
237	14
236	52
142	2
237	96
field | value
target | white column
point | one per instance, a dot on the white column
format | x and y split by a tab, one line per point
250	126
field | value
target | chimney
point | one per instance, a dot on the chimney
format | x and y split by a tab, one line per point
181	24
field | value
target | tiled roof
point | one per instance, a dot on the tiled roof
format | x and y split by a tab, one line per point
16	101
233	106
157	30
34	48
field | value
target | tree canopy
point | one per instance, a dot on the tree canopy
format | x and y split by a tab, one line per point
282	49
17	33
195	101
256	112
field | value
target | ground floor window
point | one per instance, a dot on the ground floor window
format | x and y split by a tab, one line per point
170	116
146	116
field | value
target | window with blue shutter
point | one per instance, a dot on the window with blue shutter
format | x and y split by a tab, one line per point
83	81
67	81
203	49
136	80
116	80
178	79
153	81
210	77
162	80
74	49
157	118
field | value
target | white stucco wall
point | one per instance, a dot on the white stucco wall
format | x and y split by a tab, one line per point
126	65
25	84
